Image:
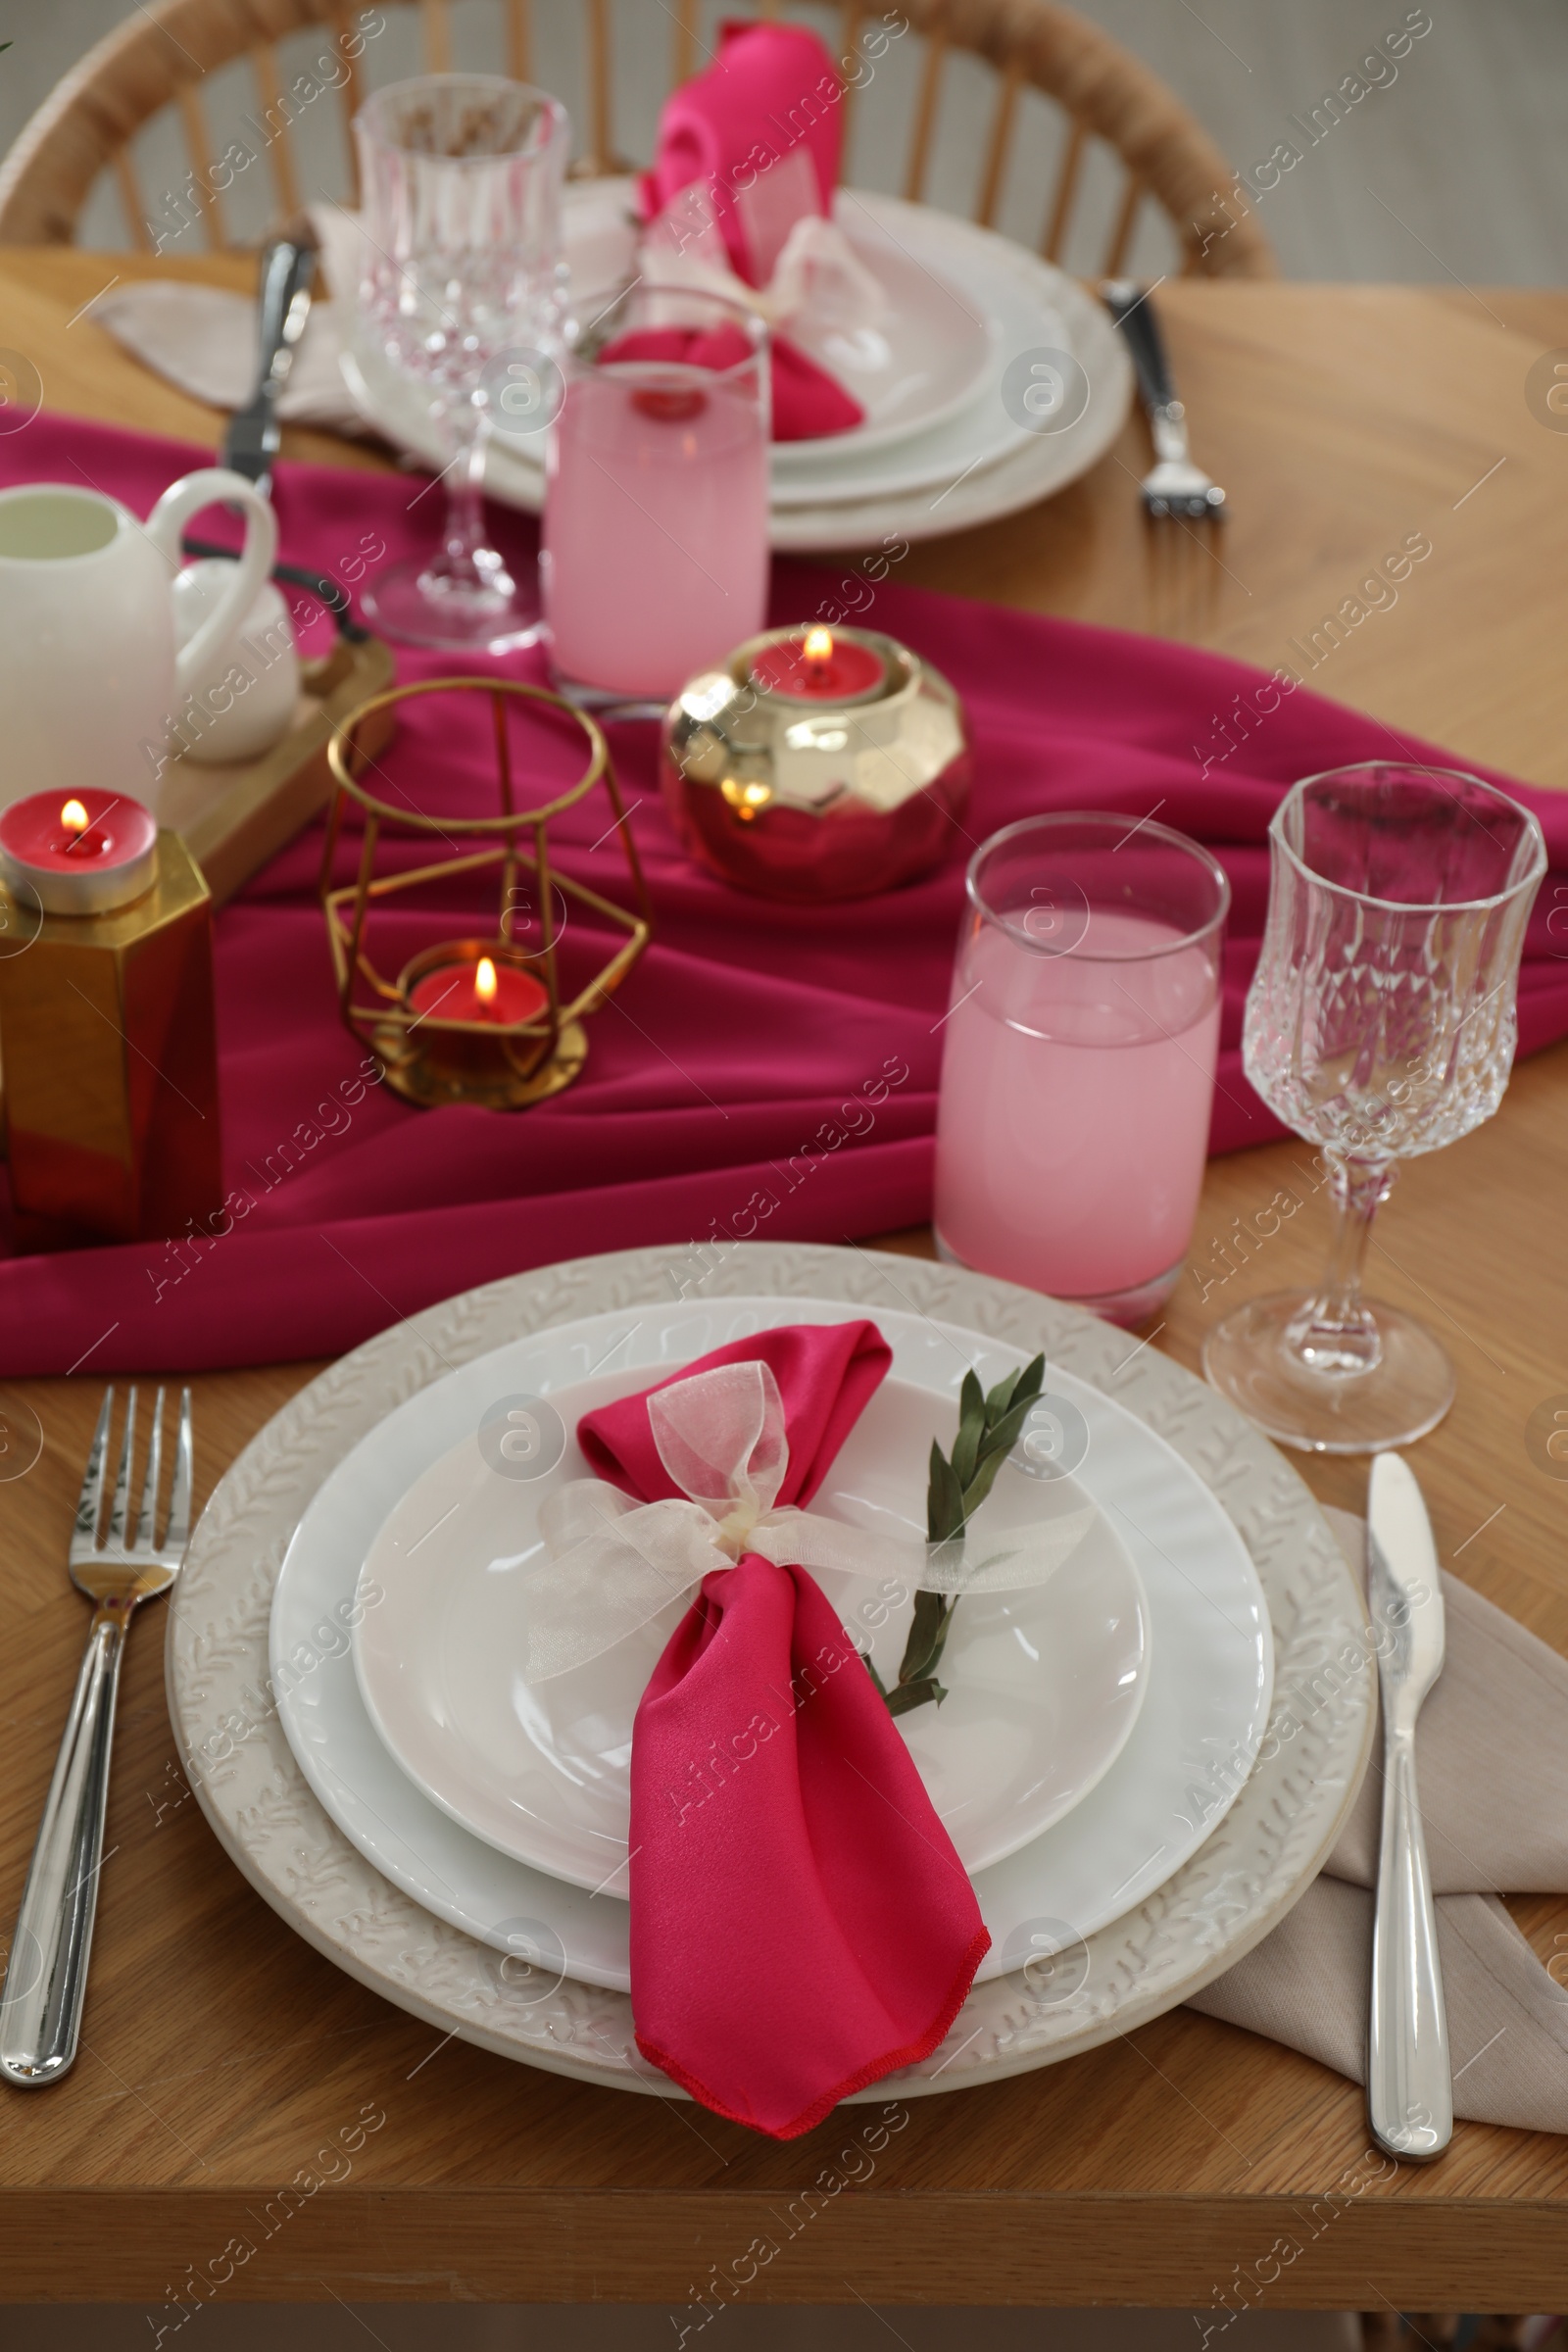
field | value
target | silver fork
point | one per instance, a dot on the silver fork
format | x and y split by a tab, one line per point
40	2009
1174	486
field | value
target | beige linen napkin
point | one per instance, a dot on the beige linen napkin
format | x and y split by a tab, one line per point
1491	1751
203	339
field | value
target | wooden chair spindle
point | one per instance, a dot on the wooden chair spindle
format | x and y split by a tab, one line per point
437	37
1050	244
519	41
926	115
686	38
281	146
851	18
342	22
984	212
200	150
132	200
1121	233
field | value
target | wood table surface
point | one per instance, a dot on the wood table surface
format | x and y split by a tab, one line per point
222	2056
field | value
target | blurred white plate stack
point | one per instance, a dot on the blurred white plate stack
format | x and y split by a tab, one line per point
993	380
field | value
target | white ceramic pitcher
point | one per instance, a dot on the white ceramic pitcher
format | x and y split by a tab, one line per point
90	678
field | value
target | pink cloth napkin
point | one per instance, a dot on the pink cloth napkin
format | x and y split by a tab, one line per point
767	1072
800	388
801	1925
772	91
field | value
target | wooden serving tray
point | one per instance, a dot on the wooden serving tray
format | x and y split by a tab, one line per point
235	817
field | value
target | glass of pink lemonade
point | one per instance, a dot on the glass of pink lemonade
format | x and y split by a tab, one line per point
1078	1058
655	554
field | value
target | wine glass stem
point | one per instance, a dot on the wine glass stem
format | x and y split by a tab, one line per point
465	504
1336	1332
464	559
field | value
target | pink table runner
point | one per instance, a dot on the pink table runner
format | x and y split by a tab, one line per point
767	1070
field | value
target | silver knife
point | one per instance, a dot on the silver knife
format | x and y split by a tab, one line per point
1409	2081
283	301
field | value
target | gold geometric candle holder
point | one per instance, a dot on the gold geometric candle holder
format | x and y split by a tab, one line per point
479	1018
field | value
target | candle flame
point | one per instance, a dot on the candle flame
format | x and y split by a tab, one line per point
747	800
818	646
484	981
73	817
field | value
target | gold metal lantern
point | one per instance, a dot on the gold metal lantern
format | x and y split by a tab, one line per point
479	1018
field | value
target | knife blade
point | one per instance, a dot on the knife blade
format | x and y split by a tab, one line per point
1409	2082
284	304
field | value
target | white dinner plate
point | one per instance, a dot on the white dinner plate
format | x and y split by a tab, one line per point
1209	1684
979	460
1044	1685
1176	1931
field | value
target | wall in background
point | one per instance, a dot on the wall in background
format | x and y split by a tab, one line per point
1453	169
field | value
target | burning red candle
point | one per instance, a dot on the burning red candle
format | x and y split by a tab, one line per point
484	990
816	666
83	853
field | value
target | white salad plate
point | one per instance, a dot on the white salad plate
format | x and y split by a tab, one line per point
1197	1731
511	1993
946	462
1044	1685
921	364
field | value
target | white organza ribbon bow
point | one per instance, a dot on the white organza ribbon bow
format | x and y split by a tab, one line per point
613	1563
814	282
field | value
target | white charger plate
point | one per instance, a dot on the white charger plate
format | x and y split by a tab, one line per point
1196	1731
1044	1685
1174	1938
974	465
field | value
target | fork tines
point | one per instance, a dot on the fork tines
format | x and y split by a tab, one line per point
85	1541
1187	507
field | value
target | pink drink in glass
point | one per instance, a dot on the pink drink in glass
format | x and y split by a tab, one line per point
1078	1063
656	539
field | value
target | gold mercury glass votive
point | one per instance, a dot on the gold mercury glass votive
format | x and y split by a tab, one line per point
817	764
478	1018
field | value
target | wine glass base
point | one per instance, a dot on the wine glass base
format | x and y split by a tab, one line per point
411	602
607	703
1246	1357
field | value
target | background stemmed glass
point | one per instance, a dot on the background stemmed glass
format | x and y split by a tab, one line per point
461	179
1380	1025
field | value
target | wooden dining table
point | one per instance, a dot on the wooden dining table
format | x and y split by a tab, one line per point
222	2055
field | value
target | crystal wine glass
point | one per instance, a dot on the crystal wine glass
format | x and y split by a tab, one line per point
1380	1025
461	178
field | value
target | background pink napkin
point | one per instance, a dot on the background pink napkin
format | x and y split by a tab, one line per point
765	96
769	1071
801	1925
805	401
772	91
